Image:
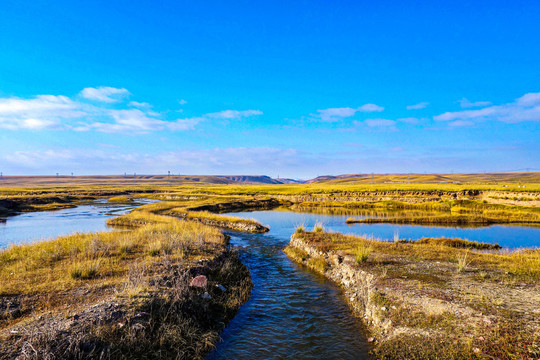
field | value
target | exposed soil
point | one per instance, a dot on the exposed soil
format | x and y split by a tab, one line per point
428	309
169	320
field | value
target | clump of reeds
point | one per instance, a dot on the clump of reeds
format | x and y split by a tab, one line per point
318	228
85	270
362	253
462	261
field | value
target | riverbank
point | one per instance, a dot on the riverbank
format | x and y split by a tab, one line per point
428	300
203	212
445	204
120	294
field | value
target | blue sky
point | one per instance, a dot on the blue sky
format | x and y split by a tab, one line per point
289	88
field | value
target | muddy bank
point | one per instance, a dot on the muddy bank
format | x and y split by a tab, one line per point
237	225
461	220
417	197
395	195
429	309
170	320
45	201
266	204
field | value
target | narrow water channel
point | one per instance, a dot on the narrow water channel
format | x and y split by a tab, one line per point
292	313
296	314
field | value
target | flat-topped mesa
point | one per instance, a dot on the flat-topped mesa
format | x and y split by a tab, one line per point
431	299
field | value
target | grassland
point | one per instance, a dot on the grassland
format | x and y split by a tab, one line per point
132	268
433	298
69	286
447	203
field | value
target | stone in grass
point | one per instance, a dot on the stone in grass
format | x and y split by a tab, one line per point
199	281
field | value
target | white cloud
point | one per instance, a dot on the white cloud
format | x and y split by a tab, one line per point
229	159
379	122
182	102
233	114
529	99
525	108
409	120
105	94
141	105
126	121
420	105
460	123
370	108
336	114
185	124
465	103
40	112
61	112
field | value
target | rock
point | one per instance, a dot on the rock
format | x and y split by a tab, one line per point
384	308
206	296
199	281
371	339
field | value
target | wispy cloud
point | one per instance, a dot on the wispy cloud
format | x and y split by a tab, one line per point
61	112
465	103
409	120
460	123
227	159
40	112
379	122
105	94
525	108
336	114
233	114
420	105
142	105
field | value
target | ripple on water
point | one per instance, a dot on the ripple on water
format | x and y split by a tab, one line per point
291	314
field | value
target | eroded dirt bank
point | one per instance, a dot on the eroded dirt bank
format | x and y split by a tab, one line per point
170	320
417	197
426	309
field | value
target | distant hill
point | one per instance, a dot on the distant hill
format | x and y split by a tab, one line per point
346	179
101	180
251	179
289	181
351	179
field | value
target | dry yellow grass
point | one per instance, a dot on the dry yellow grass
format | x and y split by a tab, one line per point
523	264
61	264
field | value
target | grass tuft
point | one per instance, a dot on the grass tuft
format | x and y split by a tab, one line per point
85	270
362	253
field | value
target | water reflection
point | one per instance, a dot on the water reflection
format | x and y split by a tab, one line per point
37	226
